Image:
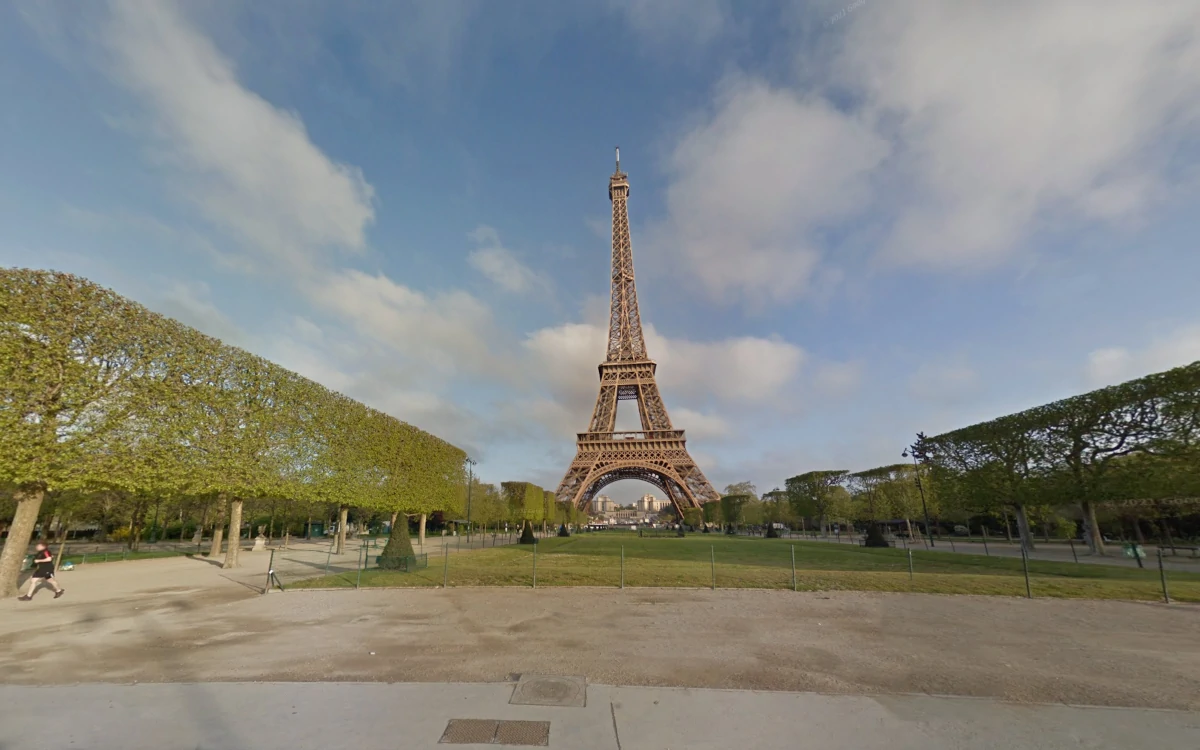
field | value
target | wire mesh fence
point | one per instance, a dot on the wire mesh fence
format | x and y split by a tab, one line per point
611	560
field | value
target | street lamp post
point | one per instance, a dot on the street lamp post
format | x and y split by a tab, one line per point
921	489
470	481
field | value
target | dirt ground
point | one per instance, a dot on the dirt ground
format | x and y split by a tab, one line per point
184	620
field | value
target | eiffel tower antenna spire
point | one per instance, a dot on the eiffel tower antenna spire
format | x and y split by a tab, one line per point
657	453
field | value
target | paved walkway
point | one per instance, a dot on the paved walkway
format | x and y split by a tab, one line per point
294	716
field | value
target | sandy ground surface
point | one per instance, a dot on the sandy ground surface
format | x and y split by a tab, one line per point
184	620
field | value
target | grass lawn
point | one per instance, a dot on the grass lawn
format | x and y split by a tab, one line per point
595	560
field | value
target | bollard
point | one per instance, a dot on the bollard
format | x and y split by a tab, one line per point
793	567
1074	556
713	557
1162	576
910	565
445	567
535	565
622	566
1025	566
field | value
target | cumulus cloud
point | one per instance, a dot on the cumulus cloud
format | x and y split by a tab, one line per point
753	184
1004	115
500	265
248	166
1112	365
447	332
943	133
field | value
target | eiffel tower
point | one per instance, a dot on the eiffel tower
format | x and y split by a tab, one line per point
658	452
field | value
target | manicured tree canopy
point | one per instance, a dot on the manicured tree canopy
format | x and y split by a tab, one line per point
101	395
811	493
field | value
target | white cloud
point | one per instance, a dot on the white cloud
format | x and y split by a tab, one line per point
1112	365
498	263
1008	114
247	165
700	426
447	332
752	185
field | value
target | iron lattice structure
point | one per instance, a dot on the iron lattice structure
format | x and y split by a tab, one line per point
658	452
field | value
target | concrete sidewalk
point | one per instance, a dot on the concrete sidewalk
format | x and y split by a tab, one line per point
370	716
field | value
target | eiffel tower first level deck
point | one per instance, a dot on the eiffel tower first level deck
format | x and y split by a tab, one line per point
658	452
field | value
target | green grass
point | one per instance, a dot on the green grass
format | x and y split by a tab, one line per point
594	560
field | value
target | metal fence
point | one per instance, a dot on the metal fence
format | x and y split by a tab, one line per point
695	563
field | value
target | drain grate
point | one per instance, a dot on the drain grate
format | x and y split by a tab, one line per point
536	733
547	690
496	732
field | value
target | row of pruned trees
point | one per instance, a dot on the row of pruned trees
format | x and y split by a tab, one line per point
1126	452
103	398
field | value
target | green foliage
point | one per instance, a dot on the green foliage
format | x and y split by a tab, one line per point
102	397
733	507
813	495
526	501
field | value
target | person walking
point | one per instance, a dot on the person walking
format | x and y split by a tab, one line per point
43	570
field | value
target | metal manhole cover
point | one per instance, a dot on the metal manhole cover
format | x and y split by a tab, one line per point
536	733
547	690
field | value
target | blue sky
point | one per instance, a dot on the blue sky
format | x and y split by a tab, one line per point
851	222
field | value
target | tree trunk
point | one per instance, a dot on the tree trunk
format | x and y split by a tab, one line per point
1007	527
421	531
392	525
1046	529
29	502
308	527
1137	530
235	533
1023	528
218	527
908	523
1167	533
1091	529
62	544
343	515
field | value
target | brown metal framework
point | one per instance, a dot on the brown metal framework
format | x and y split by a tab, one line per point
658	452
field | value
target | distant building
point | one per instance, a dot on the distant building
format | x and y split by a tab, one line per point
603	504
650	504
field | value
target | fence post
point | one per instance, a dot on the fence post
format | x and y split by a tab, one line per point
270	570
985	549
622	566
910	565
712	554
793	567
535	565
1025	567
1073	555
445	565
1162	576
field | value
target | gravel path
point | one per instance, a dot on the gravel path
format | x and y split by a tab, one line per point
186	620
